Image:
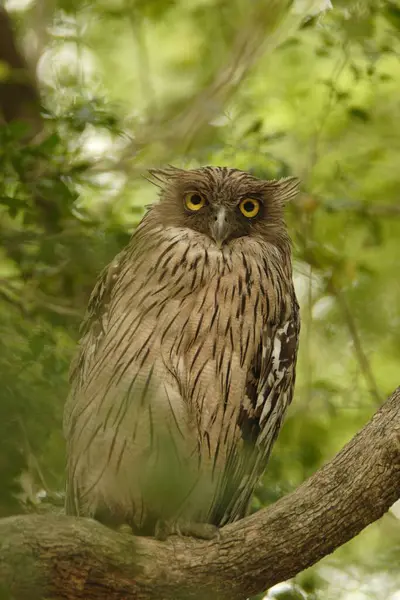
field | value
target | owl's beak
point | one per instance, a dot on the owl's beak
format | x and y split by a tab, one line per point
220	226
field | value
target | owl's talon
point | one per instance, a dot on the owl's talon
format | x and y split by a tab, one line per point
125	528
162	530
201	531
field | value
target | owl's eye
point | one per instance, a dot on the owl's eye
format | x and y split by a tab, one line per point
194	201
249	207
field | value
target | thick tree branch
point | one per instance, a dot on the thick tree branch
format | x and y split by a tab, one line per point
70	558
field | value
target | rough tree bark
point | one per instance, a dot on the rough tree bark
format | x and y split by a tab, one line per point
69	558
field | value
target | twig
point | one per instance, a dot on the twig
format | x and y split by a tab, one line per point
358	349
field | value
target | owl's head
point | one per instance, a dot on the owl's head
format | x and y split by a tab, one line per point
223	204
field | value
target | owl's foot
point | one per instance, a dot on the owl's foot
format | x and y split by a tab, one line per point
125	528
202	531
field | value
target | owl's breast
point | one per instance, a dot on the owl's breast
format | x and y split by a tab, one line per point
199	308
216	304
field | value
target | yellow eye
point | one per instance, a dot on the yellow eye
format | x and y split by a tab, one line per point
249	207
194	201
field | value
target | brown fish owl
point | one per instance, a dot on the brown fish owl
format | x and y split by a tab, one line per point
187	362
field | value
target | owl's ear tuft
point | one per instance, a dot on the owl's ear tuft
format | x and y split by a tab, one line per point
288	189
283	190
162	177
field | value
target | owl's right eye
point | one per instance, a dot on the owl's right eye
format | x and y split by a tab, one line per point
194	201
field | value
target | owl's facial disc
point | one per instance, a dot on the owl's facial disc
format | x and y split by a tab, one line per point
220	228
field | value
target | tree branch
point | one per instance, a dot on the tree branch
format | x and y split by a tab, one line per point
70	558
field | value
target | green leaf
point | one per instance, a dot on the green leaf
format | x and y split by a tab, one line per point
359	113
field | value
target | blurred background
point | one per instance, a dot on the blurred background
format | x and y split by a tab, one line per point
265	86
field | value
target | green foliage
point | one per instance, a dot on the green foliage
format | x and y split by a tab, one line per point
131	84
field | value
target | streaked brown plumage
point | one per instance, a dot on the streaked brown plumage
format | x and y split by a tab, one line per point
187	361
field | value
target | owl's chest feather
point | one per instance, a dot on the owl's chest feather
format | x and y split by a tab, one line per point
204	317
201	294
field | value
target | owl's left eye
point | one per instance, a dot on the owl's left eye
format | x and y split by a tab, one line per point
249	207
194	201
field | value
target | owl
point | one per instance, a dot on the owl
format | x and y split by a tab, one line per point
186	365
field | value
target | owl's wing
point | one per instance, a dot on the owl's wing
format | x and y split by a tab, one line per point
270	382
94	322
92	331
269	392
